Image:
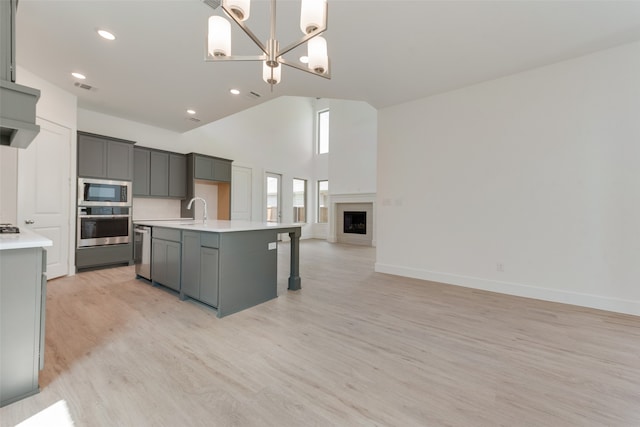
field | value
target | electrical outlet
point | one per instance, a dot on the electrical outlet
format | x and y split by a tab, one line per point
500	267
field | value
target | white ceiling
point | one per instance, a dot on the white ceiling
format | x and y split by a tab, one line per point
382	52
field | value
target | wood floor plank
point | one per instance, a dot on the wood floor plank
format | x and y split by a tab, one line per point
352	348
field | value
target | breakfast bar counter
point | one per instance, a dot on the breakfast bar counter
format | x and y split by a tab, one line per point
228	265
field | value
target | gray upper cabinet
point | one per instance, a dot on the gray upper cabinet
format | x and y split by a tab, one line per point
159	174
203	167
141	160
104	157
119	160
211	168
7	39
177	175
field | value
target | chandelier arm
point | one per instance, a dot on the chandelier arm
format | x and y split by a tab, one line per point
210	58
301	41
246	29
309	36
326	75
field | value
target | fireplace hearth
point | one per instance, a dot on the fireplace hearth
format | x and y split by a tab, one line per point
355	222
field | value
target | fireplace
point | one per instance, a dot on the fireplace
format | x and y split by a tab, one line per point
355	222
352	219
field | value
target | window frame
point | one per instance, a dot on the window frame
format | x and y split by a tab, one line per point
319	130
304	201
318	201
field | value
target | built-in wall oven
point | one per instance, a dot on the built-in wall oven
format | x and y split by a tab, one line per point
103	225
102	192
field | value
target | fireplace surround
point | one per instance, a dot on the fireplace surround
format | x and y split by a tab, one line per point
339	204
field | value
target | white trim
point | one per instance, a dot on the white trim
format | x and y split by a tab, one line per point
554	295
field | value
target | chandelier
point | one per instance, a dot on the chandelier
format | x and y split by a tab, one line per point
313	22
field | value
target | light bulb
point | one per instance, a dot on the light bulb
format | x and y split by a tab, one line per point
239	8
317	52
271	75
312	15
219	36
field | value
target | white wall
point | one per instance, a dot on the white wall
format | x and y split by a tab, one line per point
537	171
143	135
353	130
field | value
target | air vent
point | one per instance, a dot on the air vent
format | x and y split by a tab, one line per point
193	119
253	95
83	86
214	4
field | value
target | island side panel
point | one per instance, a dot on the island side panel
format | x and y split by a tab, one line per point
248	270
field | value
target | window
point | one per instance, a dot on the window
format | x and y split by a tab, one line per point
299	200
323	201
323	132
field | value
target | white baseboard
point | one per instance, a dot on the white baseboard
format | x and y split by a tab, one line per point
617	305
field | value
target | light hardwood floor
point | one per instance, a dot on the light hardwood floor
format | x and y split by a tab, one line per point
352	348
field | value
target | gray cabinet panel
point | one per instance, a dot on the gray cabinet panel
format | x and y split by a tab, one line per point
165	263
203	168
159	260
209	276
119	160
244	284
104	157
191	264
21	317
177	175
92	160
141	161
221	170
99	256
7	40
159	174
174	258
166	233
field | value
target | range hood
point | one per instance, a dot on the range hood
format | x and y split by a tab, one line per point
17	103
17	114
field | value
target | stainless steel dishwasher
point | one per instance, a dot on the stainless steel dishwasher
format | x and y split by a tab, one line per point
142	255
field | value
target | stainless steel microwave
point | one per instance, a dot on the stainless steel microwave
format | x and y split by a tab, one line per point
101	192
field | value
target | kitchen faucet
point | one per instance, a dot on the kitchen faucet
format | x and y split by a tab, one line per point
204	220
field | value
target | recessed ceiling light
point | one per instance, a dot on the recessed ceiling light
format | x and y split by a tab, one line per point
235	91
106	35
191	111
304	59
79	76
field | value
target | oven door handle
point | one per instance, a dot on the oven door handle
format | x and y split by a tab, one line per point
103	216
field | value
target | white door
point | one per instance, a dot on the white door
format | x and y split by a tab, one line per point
273	197
44	191
241	180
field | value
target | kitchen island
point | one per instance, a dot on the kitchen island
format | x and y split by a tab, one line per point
23	283
228	265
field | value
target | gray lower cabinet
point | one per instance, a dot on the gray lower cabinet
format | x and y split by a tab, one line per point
22	318
102	256
166	254
200	268
104	157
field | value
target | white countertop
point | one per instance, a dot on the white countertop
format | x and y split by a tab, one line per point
25	239
217	226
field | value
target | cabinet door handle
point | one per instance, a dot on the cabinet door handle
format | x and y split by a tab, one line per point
29	221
